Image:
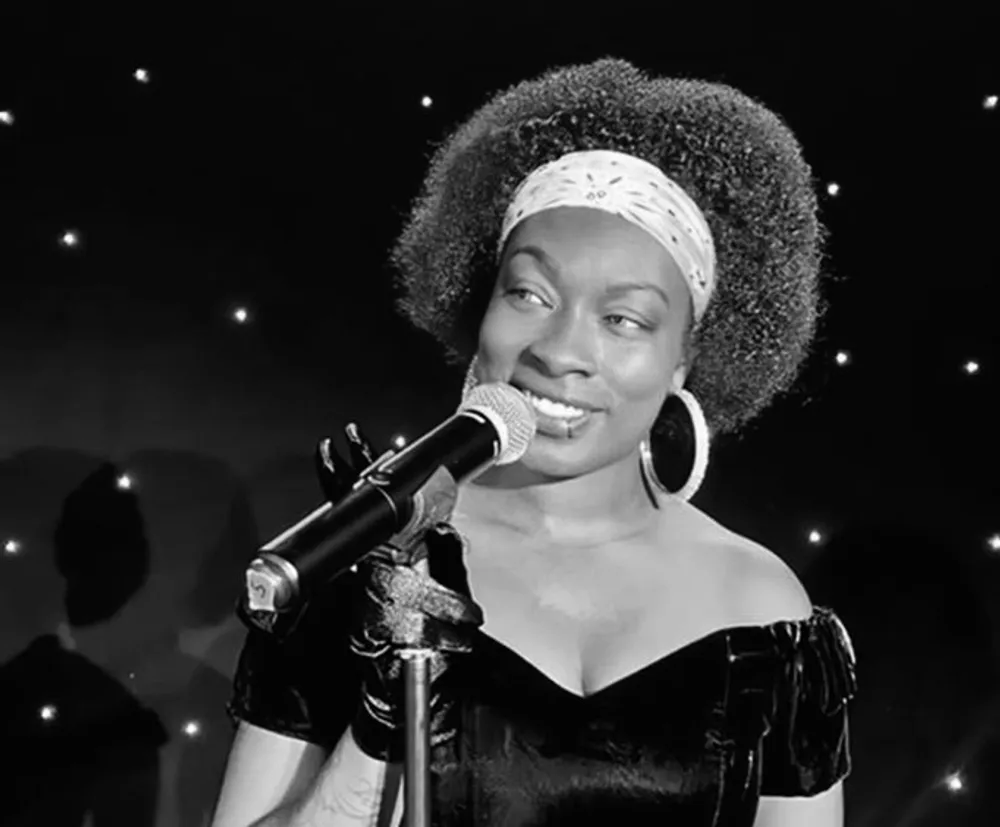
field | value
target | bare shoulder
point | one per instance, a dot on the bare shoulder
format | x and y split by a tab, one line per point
768	589
761	588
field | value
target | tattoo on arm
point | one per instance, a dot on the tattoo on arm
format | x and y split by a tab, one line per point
354	801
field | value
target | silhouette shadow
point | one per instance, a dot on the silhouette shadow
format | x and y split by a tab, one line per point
81	744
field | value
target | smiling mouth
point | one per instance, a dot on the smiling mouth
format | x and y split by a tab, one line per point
553	407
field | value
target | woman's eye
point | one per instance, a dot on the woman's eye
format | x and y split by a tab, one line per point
638	325
522	292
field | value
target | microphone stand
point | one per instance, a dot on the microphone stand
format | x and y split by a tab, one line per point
417	761
433	504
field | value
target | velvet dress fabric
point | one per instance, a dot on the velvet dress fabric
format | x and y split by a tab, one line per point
691	740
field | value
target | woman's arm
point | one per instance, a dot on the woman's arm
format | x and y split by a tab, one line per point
275	781
823	810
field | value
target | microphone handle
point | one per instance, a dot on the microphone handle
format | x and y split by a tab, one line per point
323	545
466	444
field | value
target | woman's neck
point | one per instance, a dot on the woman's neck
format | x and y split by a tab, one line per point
609	504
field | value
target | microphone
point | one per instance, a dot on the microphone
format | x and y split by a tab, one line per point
393	499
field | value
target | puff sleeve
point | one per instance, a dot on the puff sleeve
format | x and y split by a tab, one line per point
296	674
806	748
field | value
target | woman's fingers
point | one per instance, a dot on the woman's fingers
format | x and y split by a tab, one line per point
360	448
335	476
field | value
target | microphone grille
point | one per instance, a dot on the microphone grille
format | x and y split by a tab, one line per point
509	410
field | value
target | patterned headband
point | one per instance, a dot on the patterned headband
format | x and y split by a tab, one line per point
637	191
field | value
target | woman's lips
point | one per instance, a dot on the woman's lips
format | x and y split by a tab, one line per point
562	427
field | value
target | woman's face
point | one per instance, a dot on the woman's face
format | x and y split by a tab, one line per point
587	307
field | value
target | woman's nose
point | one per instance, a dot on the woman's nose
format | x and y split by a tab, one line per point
566	344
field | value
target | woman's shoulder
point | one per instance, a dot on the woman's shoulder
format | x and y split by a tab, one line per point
764	587
757	584
770	610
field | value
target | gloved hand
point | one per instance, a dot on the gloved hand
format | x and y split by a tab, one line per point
415	596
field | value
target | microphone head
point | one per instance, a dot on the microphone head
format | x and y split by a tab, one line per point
509	411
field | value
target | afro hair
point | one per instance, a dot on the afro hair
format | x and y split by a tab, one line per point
735	158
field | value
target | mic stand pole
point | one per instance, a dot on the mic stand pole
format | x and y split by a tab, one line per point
417	764
433	504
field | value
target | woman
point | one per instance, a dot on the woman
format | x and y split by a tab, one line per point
600	240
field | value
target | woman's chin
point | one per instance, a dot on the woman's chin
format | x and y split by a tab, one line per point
557	458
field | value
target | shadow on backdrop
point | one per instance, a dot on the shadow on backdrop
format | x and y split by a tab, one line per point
79	744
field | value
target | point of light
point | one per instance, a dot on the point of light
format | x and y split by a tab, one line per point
994	542
990	102
241	315
815	537
141	75
842	357
71	238
971	367
426	102
7	117
399	441
833	189
11	547
955	783
192	729
48	712
124	482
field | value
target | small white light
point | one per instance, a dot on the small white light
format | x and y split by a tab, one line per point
131	676
842	357
124	482
11	547
399	441
426	102
815	537
192	728
70	238
971	367
47	712
7	117
141	75
994	542
833	189
241	315
990	102
955	783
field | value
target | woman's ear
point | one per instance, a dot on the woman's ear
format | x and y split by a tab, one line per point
679	377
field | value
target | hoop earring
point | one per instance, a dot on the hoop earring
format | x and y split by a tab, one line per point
702	444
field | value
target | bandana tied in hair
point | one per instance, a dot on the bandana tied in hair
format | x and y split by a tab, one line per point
637	191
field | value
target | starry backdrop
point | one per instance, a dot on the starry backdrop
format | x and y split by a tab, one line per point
196	207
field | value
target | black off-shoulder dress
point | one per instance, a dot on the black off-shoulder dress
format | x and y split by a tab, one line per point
691	740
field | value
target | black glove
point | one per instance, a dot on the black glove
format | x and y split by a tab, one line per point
336	476
411	597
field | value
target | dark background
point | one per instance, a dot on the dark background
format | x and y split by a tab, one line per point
268	164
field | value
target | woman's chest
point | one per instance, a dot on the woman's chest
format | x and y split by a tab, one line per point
589	618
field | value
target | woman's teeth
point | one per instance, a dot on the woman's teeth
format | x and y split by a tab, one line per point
550	408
